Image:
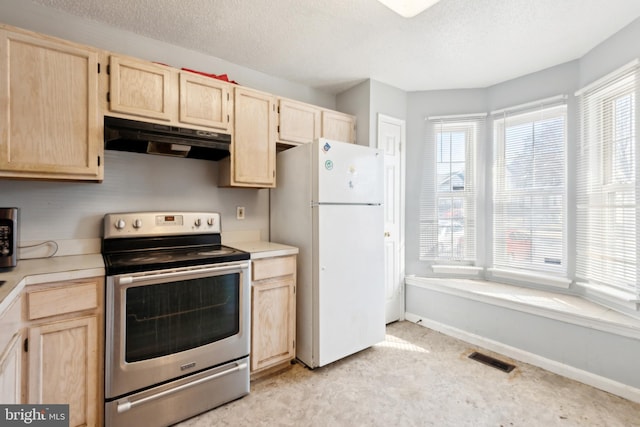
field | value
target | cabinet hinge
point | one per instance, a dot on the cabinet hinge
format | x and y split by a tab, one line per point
98	68
108	69
108	96
98	161
278	128
278	109
228	98
26	345
228	119
294	343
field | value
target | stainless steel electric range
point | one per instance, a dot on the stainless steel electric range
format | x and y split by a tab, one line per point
177	317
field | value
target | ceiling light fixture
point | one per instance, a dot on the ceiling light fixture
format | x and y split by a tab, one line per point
408	8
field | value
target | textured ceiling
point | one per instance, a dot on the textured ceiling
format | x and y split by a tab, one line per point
333	44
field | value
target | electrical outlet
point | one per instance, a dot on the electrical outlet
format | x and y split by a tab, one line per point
240	212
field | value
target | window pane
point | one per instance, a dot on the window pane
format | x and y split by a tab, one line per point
447	212
529	191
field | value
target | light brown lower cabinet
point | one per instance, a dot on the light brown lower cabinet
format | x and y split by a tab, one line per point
11	371
63	358
273	321
11	354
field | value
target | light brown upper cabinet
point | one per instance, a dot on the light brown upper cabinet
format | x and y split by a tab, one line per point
298	123
205	101
253	149
338	126
50	127
143	90
140	88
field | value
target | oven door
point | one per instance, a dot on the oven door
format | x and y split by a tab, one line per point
167	324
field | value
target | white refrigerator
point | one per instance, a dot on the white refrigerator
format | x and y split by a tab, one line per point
328	203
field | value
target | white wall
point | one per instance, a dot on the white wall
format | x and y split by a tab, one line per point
134	182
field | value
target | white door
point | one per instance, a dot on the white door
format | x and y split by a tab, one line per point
391	140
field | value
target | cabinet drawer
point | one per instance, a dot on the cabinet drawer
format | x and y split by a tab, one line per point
68	298
273	267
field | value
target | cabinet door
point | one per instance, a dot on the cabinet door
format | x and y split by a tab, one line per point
63	367
253	150
338	126
204	101
273	322
49	124
139	88
297	122
11	371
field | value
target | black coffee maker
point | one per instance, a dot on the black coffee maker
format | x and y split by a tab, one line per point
8	237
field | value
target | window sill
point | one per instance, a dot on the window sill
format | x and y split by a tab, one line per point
566	308
531	277
615	296
462	270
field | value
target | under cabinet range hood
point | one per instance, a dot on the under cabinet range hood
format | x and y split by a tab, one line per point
152	138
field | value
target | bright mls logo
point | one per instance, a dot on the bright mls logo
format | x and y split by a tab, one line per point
34	415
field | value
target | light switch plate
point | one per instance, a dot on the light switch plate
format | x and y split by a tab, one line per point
240	212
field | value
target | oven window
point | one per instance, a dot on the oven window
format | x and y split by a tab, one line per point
171	317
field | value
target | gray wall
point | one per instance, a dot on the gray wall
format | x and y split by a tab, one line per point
368	99
356	101
35	17
604	354
67	210
421	105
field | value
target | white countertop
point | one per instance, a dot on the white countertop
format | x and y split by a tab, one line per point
62	268
261	249
44	270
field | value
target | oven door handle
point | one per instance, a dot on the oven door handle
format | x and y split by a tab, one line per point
124	406
125	280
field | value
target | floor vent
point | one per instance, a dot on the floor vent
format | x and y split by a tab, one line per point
488	360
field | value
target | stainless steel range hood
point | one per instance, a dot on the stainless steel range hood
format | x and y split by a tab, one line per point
151	138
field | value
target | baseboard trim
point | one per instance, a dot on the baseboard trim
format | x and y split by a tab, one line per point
597	381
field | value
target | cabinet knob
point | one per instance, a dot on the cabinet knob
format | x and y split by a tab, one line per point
387	234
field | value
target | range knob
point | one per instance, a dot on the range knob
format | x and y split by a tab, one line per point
137	223
197	222
120	224
210	221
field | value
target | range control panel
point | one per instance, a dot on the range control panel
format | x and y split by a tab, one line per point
144	224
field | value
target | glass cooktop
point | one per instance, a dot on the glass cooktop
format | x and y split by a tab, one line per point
161	259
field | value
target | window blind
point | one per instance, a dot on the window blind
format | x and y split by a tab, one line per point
529	200
448	199
607	185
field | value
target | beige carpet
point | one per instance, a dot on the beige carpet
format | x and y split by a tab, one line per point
419	377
